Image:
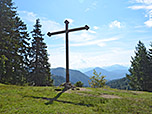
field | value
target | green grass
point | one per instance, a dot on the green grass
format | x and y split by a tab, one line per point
45	100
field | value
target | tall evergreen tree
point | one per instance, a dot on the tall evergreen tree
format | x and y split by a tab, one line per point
139	73
40	68
11	37
150	69
22	67
7	19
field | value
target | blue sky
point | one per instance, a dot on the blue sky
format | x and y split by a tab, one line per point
116	26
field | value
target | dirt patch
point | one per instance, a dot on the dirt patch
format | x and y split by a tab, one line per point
138	92
110	96
81	89
85	89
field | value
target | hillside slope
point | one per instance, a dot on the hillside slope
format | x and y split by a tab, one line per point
75	75
122	83
45	100
110	75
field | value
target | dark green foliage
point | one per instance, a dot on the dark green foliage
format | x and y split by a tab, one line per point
13	44
140	71
150	68
79	84
122	83
20	63
39	66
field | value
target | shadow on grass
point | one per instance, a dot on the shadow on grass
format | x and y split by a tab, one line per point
51	100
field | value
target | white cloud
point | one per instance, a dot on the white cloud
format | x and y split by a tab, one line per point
91	31
80	60
81	37
148	23
100	43
28	16
114	24
144	1
47	25
147	6
95	27
137	7
70	20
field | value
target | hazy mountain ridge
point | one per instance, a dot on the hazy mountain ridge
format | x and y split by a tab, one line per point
111	72
75	75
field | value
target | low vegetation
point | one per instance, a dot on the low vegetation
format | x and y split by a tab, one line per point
45	100
79	84
97	80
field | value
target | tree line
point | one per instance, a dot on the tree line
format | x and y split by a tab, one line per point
140	77
23	59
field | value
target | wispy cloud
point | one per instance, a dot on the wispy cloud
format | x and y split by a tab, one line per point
28	16
147	6
100	58
81	37
47	24
97	42
114	24
92	6
137	7
144	1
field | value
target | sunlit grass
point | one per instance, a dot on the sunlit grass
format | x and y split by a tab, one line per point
39	100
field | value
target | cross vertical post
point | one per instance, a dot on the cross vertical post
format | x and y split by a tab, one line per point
67	50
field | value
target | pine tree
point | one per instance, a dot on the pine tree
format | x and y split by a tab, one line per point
22	67
7	19
12	33
150	69
139	68
40	68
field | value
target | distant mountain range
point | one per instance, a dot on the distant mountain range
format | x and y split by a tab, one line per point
111	73
75	75
116	67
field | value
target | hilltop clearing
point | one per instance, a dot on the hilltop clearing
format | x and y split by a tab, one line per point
38	100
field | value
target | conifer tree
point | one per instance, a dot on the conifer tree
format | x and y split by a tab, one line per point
7	49
150	69
12	33
22	67
39	66
139	72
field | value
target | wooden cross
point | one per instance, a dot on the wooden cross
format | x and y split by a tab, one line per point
66	31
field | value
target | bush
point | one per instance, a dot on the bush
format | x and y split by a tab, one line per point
79	84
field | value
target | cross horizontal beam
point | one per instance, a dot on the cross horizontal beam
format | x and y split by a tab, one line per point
70	30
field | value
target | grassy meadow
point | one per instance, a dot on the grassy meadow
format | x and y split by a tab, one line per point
45	100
